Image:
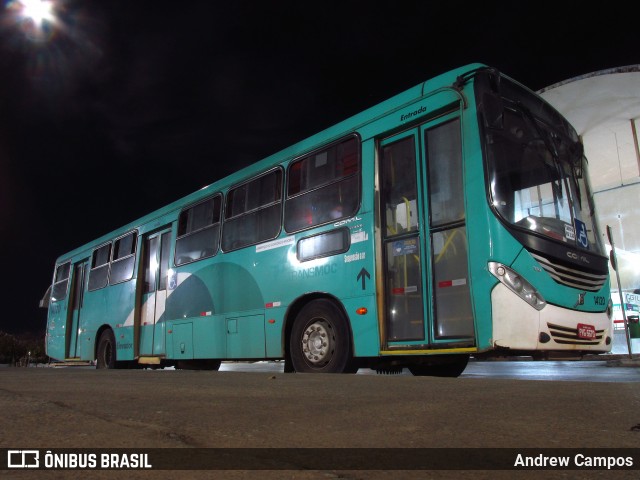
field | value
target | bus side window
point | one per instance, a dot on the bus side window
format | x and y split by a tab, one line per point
324	186
444	151
399	185
198	231
124	256
99	274
60	282
252	213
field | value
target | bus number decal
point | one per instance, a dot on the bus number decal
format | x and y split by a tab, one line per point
600	300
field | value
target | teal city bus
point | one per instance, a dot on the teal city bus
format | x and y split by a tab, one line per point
454	219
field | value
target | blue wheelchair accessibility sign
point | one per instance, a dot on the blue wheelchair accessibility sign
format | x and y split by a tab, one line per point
581	234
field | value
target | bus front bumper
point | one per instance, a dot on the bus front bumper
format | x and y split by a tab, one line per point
519	326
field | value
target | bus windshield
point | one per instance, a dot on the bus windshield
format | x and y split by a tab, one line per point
537	173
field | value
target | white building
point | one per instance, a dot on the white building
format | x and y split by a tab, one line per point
604	107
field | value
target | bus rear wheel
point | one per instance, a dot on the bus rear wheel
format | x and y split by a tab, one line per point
106	356
320	340
451	368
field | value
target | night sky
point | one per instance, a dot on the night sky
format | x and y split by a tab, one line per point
120	107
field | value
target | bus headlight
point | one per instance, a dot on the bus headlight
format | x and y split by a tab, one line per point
517	284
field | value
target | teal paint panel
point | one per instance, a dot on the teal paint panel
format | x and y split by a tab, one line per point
216	286
274	332
159	337
111	305
245	337
209	337
182	341
55	346
146	339
56	329
124	342
366	337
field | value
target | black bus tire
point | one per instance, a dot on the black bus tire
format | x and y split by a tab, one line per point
106	355
320	340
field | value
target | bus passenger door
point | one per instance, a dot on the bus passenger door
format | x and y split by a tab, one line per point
402	242
427	302
450	289
154	292
76	301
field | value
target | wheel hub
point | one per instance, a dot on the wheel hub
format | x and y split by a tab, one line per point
317	343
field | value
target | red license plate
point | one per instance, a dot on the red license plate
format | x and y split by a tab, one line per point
587	332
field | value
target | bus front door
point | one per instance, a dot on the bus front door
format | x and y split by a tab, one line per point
427	303
76	302
154	293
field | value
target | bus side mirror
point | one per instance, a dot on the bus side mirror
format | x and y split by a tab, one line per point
612	255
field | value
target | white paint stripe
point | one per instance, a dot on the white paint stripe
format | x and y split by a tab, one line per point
280	242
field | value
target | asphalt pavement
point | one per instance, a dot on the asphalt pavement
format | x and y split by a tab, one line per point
133	409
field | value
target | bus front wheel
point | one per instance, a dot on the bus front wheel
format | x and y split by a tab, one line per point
106	357
320	340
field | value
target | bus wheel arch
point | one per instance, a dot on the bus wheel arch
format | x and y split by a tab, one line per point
105	350
318	336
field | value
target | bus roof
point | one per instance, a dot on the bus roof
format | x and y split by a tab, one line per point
351	124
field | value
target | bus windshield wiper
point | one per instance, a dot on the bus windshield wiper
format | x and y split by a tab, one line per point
557	185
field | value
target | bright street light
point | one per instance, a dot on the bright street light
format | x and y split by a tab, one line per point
40	11
37	17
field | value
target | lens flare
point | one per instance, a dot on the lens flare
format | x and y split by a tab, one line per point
37	18
39	11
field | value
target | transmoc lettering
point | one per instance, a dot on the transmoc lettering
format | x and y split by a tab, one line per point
314	271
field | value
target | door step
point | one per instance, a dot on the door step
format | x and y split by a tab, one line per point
149	360
72	363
